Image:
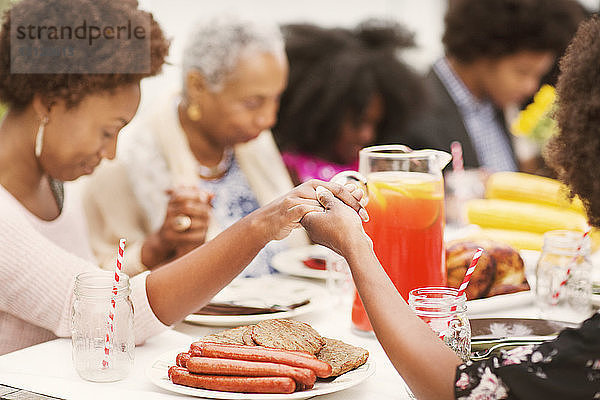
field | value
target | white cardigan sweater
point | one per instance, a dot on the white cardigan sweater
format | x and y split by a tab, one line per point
38	264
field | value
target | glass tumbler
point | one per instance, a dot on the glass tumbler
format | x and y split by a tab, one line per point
446	315
339	281
564	277
91	324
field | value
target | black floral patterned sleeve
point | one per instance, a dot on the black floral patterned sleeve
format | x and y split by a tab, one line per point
565	368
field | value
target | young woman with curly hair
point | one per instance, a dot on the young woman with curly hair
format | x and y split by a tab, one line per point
496	53
58	127
567	367
347	89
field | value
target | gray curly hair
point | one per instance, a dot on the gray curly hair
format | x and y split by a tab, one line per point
216	45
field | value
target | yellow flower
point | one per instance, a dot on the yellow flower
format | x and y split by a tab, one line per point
535	120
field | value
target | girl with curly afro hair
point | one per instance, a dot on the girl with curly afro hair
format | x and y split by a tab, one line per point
63	119
347	89
574	152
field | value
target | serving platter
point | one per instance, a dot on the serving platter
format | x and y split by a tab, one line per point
482	328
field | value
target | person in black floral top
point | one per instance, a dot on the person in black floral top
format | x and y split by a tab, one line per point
565	368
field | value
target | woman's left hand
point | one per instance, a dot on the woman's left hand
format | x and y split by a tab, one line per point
336	226
284	214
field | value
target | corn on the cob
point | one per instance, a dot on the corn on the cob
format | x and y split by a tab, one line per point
523	240
529	188
530	217
520	240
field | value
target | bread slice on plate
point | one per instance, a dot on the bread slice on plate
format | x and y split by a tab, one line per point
342	357
287	334
229	336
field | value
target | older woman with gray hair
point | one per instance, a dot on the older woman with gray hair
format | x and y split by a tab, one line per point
200	159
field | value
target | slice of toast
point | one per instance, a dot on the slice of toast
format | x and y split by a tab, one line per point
287	334
342	357
229	336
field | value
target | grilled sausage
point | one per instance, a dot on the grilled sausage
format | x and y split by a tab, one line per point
182	359
242	384
221	366
197	347
200	344
264	354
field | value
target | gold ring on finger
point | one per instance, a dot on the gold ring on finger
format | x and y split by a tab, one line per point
182	223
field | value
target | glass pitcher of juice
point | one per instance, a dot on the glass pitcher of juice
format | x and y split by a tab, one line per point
405	190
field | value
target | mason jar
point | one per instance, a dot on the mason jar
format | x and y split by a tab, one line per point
96	356
446	315
564	277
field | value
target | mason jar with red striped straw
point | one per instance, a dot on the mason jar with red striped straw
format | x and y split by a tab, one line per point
563	287
102	325
444	310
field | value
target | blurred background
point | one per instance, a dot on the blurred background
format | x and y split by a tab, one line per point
424	18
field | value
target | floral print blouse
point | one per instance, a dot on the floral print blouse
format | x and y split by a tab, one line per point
234	200
565	368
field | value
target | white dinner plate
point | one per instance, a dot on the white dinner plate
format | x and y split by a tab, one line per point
500	302
261	292
157	373
290	261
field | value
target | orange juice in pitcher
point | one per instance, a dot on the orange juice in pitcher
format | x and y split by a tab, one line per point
406	210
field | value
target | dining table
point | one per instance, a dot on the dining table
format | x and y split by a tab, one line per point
46	371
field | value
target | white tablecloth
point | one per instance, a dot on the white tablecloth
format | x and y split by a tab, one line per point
47	368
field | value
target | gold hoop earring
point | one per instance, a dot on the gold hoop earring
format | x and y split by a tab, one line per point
193	112
39	137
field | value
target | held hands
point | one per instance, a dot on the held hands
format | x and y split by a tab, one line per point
335	225
184	227
286	213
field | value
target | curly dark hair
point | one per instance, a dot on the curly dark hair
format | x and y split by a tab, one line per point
18	89
575	151
334	72
478	29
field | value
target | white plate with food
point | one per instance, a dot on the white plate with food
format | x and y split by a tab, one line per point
511	300
305	261
279	297
500	280
157	373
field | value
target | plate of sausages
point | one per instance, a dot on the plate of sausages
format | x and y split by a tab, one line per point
216	378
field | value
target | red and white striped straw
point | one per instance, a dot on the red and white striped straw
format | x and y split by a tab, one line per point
470	270
111	312
556	294
457	156
465	282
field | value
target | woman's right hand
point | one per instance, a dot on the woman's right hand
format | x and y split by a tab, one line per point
184	227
